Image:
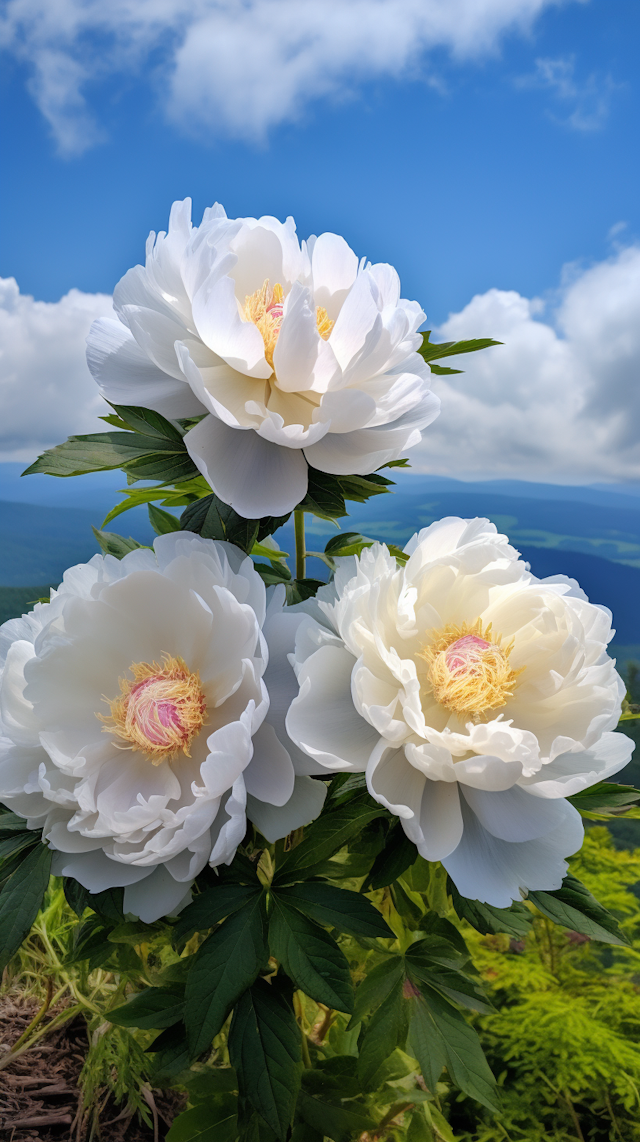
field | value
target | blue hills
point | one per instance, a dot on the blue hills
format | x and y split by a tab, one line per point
589	533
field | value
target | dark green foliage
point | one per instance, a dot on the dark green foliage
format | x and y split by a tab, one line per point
386	1030
605	798
515	921
211	906
108	903
326	494
21	897
396	856
225	966
113	544
347	911
310	956
432	352
161	521
214	1120
152	1009
325	836
264	1048
574	907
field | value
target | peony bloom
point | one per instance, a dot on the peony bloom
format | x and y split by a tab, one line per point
476	697
295	354
134	723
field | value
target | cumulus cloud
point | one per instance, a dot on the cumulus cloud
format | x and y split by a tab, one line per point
559	401
586	102
238	66
46	390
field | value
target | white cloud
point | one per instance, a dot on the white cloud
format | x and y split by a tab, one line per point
46	390
586	102
239	66
559	401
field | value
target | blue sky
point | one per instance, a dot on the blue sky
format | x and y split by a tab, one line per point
484	160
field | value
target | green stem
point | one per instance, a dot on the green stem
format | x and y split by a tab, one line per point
298	526
63	1017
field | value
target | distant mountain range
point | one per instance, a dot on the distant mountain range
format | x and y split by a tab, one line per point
591	534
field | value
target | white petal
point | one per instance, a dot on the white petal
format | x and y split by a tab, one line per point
397	785
304	805
513	814
486	772
126	374
322	720
221	327
253	476
493	871
440	820
570	773
156	896
298	342
269	776
334	267
230	826
96	871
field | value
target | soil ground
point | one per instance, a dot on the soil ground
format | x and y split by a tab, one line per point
39	1096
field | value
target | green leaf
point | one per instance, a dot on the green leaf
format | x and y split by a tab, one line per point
378	983
386	1030
440	1036
325	836
151	1009
170	1054
398	854
442	370
214	1120
108	903
11	823
300	589
224	967
310	956
269	551
326	494
273	573
143	457
113	544
435	962
605	798
514	921
162	522
148	422
17	842
211	906
265	1049
431	351
348	911
21	899
213	519
574	907
332	1120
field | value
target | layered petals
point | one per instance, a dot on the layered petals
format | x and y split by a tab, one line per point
133	727
475	697
302	348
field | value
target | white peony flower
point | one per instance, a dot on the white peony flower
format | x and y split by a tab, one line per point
475	696
297	354
133	721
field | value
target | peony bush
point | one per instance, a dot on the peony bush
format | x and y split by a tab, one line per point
295	793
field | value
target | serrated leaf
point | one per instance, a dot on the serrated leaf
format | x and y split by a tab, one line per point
332	1120
147	422
387	1029
574	907
151	1009
265	1049
398	854
224	967
108	903
214	1120
213	519
143	457
113	544
21	899
163	523
605	798
515	921
310	956
431	351
375	987
324	497
211	906
440	1036
348	911
300	589
325	836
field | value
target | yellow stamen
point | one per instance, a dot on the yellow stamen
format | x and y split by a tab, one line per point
159	711
264	308
468	670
